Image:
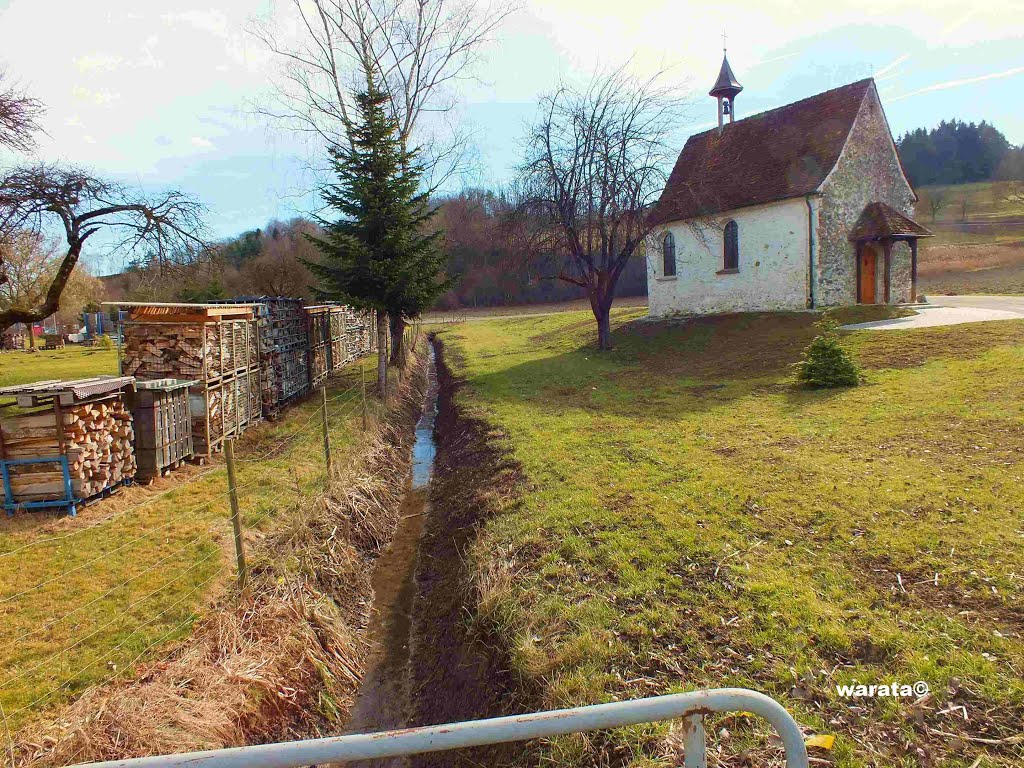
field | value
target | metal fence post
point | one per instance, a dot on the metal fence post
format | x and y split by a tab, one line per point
327	432
236	523
694	743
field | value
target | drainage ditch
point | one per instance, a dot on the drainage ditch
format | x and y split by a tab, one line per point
383	702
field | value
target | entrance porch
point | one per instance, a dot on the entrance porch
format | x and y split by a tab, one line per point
878	228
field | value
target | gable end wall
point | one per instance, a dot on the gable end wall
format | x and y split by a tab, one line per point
868	170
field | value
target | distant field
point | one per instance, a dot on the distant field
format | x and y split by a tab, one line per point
979	242
688	518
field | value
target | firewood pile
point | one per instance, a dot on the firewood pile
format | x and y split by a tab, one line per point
84	423
203	350
216	346
352	334
319	318
12	341
283	342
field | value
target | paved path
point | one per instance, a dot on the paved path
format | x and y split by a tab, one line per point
952	310
1006	303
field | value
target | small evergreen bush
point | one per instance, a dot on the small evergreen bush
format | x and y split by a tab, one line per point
825	363
104	342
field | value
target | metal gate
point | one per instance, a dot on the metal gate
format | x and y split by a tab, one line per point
692	707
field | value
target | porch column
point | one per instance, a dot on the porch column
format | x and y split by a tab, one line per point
887	248
913	269
857	254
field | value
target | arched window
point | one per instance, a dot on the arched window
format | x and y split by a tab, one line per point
668	253
732	246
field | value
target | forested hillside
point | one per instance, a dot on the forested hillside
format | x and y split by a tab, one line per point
489	265
955	152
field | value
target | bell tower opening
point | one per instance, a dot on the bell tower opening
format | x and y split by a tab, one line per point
725	90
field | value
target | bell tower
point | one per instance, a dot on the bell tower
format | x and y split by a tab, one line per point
725	90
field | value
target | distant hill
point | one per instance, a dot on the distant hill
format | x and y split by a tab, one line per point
955	152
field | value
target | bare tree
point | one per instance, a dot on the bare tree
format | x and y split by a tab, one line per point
19	118
596	161
77	205
936	201
1014	193
414	50
279	269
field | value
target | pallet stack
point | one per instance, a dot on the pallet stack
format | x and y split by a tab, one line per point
12	341
319	328
214	345
352	334
283	343
163	426
74	444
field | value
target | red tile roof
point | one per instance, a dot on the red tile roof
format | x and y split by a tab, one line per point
785	152
879	220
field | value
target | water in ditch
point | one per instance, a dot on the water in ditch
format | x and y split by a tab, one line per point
383	699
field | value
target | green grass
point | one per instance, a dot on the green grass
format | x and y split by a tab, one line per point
126	578
72	362
691	519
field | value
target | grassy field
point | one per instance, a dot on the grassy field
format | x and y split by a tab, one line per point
72	362
85	599
689	518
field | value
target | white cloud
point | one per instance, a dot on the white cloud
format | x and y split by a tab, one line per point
961	81
199	141
99	97
209	20
97	62
880	74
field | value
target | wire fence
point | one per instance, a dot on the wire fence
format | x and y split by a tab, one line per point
83	607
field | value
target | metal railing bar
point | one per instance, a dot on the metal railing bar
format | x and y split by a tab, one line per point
499	730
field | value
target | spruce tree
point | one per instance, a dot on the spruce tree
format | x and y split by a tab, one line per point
378	254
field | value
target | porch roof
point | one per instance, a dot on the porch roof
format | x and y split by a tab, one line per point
879	221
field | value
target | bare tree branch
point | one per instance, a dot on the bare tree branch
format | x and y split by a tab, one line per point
36	198
413	49
19	118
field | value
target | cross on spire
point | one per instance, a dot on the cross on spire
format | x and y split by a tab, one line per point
724	36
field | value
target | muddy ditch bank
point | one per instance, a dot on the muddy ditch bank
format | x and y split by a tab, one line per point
457	672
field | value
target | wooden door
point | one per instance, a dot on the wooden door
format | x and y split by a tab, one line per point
867	275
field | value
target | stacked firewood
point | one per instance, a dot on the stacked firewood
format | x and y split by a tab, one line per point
283	341
97	440
157	350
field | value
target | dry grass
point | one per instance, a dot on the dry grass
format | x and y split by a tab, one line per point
277	660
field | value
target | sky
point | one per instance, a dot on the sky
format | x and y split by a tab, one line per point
164	95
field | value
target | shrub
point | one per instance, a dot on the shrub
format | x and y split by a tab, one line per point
104	342
825	362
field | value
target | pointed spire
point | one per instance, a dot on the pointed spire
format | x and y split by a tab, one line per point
726	84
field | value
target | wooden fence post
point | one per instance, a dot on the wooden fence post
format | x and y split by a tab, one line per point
327	432
236	523
362	376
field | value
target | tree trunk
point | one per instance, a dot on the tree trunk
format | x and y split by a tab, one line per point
31	337
382	353
604	328
51	302
601	294
397	323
